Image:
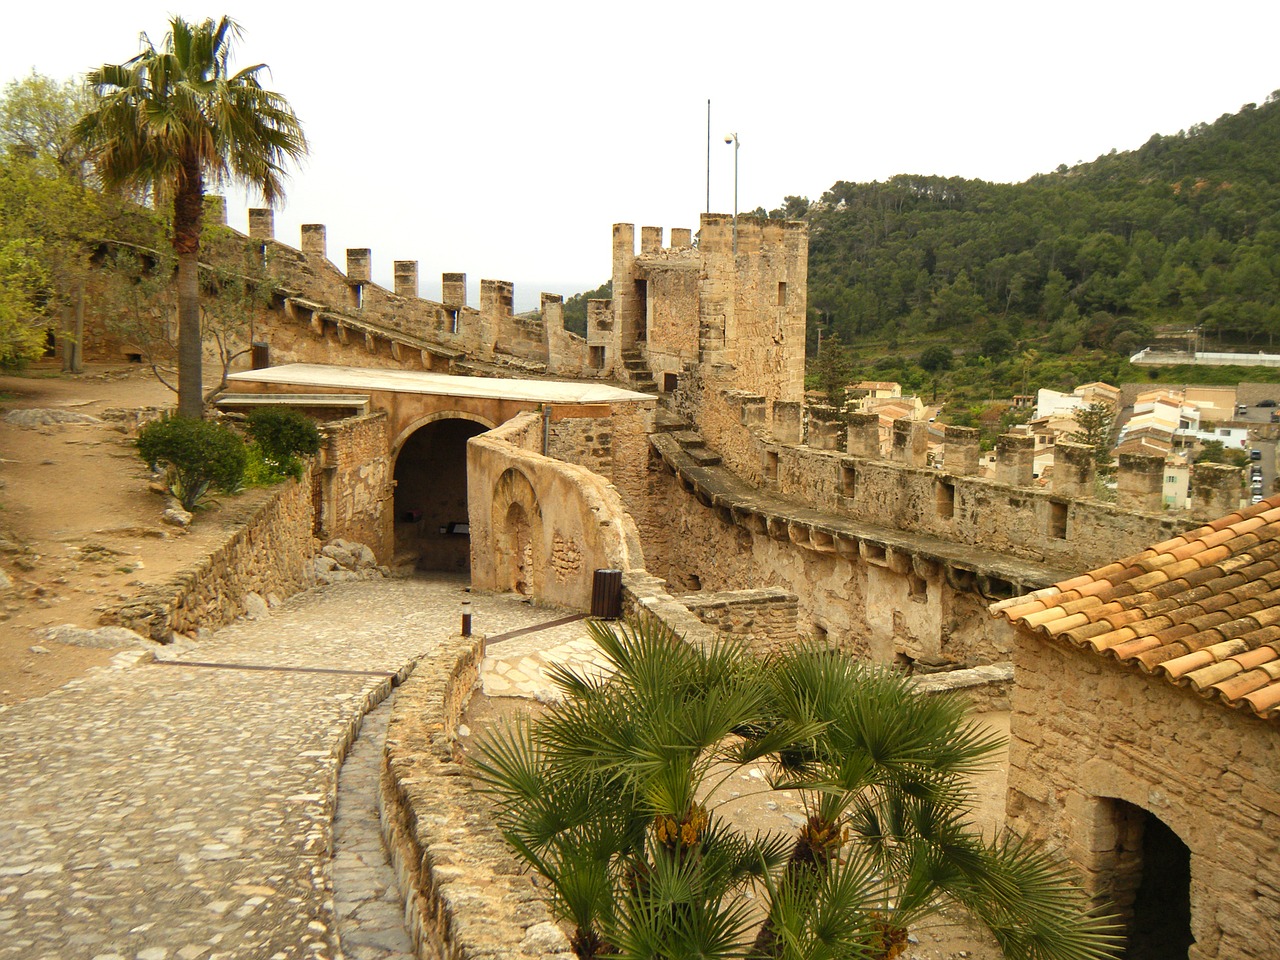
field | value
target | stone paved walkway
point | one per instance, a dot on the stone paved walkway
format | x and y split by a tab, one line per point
150	812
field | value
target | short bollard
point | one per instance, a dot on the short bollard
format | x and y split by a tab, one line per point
466	618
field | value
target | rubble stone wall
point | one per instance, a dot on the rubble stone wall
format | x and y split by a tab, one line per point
467	895
764	619
355	484
1086	732
268	553
858	603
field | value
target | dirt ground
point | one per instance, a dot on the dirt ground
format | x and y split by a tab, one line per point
79	525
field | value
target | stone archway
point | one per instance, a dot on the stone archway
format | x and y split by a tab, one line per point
516	522
430	502
1144	869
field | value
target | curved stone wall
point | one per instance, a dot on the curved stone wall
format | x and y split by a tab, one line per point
466	896
542	526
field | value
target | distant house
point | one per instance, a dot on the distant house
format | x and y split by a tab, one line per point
889	410
1051	403
875	390
1145	735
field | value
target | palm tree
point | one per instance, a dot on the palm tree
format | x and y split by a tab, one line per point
885	781
175	118
612	797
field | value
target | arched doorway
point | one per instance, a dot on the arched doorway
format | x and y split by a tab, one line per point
1149	874
431	494
516	522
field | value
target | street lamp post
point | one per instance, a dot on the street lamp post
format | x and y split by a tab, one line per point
733	138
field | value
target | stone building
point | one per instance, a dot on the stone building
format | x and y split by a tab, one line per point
1143	734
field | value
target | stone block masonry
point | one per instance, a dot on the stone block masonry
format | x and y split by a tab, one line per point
763	619
1114	740
354	484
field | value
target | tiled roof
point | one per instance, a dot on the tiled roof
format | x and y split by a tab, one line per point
1201	610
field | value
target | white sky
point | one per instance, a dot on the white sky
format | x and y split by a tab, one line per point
504	139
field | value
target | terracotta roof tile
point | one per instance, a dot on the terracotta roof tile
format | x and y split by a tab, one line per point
1221	522
1180	666
1150	659
1075	583
1248	659
1265	701
1201	610
1200	680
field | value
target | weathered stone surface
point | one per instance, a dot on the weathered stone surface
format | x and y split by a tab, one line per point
33	417
103	637
255	607
175	516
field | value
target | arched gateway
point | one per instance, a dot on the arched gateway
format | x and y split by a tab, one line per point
409	466
430	498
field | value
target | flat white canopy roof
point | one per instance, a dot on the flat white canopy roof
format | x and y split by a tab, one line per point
317	375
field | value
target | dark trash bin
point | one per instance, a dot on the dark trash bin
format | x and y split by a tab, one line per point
606	594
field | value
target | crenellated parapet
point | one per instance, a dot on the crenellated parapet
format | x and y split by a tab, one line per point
347	317
1059	522
733	319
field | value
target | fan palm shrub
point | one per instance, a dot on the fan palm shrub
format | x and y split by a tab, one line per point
614	796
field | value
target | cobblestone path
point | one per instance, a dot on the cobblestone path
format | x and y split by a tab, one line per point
183	810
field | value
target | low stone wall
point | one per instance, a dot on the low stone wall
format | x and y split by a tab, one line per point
268	551
763	619
465	893
986	688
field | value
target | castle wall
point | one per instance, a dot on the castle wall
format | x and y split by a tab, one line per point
1086	732
877	604
1029	523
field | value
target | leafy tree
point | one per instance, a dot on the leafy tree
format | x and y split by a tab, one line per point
138	299
176	117
199	455
46	201
612	797
234	299
575	308
21	280
1212	451
936	358
832	370
1095	425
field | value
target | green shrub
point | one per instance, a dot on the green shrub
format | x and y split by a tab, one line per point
282	434
198	455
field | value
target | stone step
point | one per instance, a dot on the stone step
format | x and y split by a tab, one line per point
702	456
665	421
688	439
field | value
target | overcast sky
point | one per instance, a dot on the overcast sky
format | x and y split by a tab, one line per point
504	139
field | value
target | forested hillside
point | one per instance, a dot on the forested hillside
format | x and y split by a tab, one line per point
1183	231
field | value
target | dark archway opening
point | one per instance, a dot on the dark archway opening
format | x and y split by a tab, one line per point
431	495
1154	875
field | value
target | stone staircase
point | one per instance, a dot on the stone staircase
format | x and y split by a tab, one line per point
638	373
682	432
